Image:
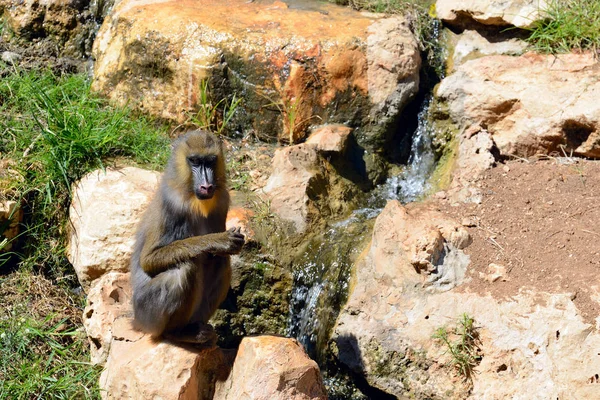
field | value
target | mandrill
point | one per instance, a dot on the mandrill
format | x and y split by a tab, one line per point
180	270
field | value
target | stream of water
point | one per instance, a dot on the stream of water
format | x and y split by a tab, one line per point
321	276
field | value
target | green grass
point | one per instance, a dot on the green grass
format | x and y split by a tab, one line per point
43	350
568	25
213	115
55	130
461	343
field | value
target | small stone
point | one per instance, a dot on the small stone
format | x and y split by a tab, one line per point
469	222
10	57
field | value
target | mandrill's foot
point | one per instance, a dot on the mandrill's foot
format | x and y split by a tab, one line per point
200	334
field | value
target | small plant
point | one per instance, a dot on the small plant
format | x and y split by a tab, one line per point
462	343
209	115
567	25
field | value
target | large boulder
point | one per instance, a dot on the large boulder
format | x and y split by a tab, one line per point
532	104
293	66
533	346
140	368
104	214
500	13
272	368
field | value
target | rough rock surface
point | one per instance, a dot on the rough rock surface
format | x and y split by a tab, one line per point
266	367
139	368
330	138
272	368
108	300
462	13
503	95
294	66
104	213
533	346
313	179
470	45
71	24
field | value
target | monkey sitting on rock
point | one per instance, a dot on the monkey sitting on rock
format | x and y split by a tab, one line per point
180	268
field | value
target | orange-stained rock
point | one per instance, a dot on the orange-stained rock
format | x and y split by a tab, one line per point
294	66
240	217
271	368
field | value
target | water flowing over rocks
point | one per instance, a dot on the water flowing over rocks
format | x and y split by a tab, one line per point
502	95
294	67
533	346
462	13
104	213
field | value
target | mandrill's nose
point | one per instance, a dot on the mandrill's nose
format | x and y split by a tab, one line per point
205	191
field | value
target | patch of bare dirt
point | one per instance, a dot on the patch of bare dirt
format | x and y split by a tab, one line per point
541	221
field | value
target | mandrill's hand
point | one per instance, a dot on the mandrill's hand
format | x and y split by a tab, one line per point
230	242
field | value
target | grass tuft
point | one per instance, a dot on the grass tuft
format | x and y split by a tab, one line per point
462	343
567	25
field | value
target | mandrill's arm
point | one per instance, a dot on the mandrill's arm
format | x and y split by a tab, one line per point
155	260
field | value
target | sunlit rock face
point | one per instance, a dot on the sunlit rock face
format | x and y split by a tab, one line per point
463	13
293	66
406	286
269	367
532	104
104	213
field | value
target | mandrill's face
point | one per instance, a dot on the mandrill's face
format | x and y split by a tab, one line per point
203	175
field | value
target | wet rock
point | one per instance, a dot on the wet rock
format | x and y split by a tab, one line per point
104	213
534	345
462	13
258	301
293	66
502	94
270	367
308	182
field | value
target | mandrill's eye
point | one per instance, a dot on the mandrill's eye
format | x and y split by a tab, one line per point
195	161
209	160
